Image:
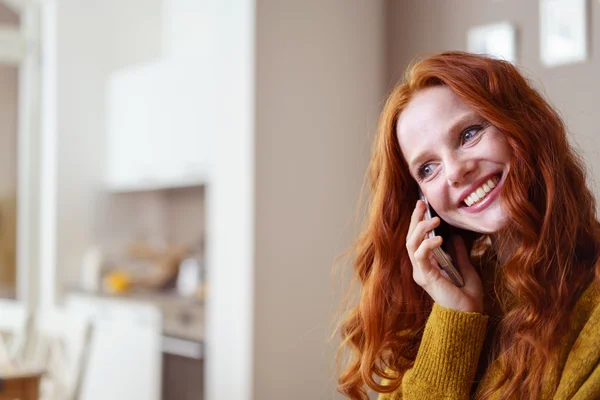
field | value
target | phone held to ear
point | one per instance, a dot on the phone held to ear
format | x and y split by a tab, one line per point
444	260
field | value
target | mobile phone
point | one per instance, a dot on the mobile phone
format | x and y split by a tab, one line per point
444	260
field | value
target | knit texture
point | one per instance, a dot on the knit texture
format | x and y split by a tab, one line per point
447	359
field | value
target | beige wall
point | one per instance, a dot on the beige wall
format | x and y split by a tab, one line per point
414	29
8	162
7	16
165	216
320	81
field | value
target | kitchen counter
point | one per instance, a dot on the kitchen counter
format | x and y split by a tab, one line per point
183	317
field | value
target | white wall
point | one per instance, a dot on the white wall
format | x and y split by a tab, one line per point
230	205
94	38
320	85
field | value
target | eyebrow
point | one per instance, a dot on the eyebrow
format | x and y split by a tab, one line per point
459	123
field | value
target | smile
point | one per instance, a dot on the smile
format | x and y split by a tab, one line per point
482	191
484	195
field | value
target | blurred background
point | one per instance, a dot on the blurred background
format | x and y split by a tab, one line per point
179	177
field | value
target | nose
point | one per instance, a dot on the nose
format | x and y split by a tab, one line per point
457	169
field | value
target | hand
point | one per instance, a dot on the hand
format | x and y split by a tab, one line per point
427	273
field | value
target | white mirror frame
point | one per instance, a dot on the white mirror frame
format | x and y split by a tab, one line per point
22	47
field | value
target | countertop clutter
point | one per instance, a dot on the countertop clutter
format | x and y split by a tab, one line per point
141	266
167	276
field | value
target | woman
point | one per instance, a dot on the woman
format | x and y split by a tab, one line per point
493	160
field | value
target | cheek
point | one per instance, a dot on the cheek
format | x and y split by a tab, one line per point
500	147
438	198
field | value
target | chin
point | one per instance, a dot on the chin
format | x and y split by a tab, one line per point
491	220
490	226
486	224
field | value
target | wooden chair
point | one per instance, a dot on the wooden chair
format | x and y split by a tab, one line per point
15	321
18	383
58	343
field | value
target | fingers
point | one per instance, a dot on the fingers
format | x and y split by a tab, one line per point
417	232
423	252
425	269
417	215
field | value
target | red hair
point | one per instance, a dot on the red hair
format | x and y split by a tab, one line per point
552	215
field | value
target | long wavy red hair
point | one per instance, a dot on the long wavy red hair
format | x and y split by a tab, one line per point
552	215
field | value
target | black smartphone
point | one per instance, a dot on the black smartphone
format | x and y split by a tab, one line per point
442	257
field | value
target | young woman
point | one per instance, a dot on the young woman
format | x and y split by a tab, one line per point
492	158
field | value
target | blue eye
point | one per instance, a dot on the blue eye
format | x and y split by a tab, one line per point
425	171
469	133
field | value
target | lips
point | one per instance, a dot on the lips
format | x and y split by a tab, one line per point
478	184
482	191
488	199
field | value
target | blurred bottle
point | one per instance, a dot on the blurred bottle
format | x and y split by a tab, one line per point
91	270
189	277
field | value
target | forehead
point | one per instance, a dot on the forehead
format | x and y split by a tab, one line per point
428	115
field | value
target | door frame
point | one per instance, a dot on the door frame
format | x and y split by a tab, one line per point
26	46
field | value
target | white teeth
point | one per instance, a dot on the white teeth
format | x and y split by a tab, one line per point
481	191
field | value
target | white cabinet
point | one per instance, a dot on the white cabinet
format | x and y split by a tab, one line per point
161	118
125	359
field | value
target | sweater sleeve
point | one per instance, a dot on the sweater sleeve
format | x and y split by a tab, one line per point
447	359
580	377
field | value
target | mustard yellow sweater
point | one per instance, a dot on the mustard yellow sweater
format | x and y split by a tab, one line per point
447	358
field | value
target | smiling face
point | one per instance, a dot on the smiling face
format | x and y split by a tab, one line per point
459	159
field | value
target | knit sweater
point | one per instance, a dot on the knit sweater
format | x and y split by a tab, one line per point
448	356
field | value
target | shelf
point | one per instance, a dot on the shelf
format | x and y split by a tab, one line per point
153	185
